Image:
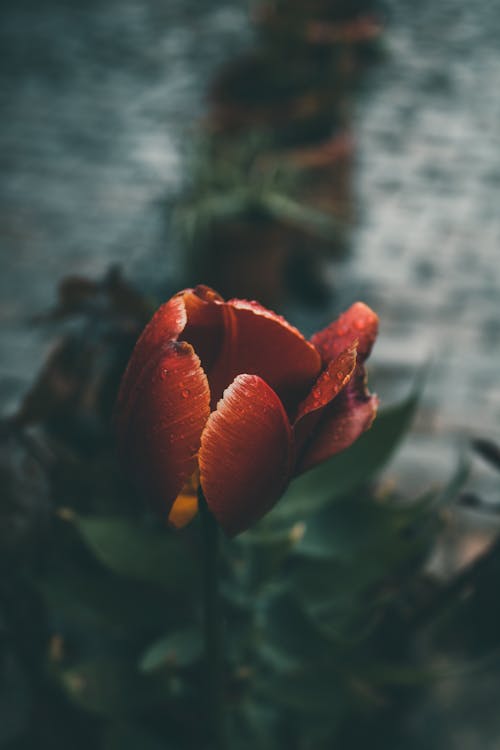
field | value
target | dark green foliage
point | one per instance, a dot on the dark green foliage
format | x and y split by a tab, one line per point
135	551
324	601
236	185
344	473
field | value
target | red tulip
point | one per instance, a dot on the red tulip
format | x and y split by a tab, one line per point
230	395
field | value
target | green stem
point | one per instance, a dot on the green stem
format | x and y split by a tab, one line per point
212	625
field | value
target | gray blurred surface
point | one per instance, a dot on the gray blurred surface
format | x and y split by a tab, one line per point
98	103
427	248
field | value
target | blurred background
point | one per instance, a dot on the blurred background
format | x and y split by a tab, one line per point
304	154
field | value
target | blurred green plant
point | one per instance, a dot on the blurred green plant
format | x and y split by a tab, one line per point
251	222
268	188
307	594
324	601
234	181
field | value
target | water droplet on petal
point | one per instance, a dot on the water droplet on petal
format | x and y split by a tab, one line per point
340	375
185	393
163	373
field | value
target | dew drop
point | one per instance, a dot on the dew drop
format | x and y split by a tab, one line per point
359	324
340	375
185	393
163	373
316	399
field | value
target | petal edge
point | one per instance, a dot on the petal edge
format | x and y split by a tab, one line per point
258	341
359	323
330	383
342	423
246	454
161	436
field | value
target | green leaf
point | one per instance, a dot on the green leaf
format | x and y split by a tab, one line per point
350	470
310	219
179	649
399	675
455	484
125	736
254	725
315	691
136	551
357	559
353	526
91	599
111	687
290	638
15	698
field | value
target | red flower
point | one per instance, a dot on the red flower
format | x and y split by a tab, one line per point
234	392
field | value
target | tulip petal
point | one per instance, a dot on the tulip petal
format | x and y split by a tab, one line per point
329	384
230	338
185	506
258	341
205	323
342	422
358	323
183	510
165	325
191	313
164	419
246	454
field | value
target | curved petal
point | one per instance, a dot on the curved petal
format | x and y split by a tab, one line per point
162	423
183	510
329	384
205	323
190	313
165	325
246	454
342	423
258	341
230	338
204	293
358	323
185	506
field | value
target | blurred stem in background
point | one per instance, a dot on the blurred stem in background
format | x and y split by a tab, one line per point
214	658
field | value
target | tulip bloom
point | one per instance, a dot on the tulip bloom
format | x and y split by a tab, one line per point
231	396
